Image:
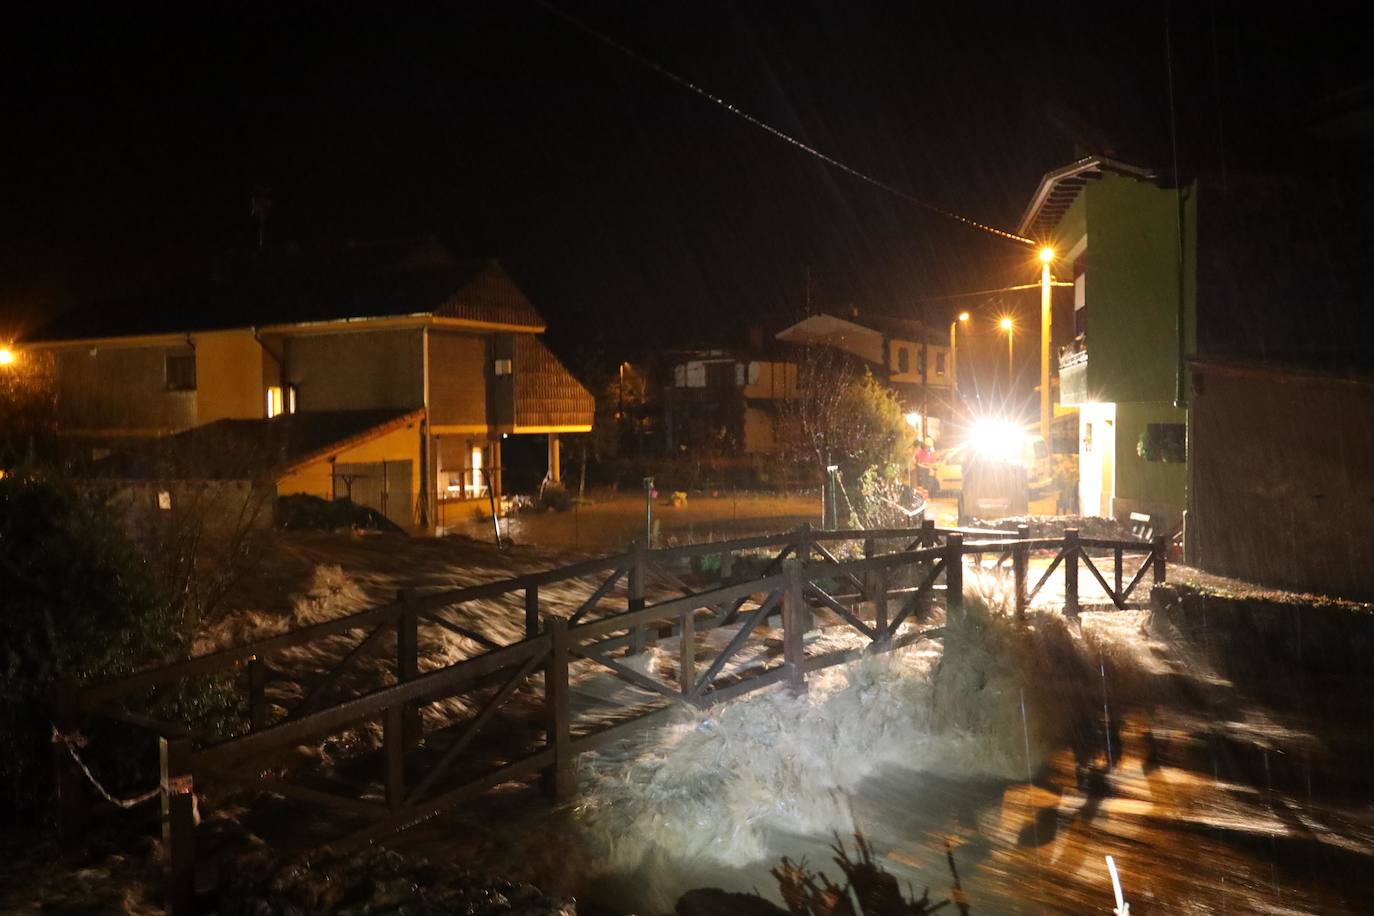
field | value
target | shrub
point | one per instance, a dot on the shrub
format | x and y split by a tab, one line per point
80	603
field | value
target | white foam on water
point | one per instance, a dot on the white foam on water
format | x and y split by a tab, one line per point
712	789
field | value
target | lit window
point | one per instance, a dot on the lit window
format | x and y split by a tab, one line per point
939	364
180	369
274	402
503	367
291	398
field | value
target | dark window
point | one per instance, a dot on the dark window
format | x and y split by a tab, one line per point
1164	442
181	371
939	364
903	361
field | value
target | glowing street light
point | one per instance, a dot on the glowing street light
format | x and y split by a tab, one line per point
7	356
1046	259
1009	326
962	318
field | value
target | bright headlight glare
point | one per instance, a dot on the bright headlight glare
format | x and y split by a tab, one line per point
997	440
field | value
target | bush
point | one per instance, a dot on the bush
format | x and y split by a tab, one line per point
80	603
556	497
302	512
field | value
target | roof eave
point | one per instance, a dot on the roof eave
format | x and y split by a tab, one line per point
1072	170
341	445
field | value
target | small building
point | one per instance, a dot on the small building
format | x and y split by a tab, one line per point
388	330
725	400
916	362
1116	231
1282	488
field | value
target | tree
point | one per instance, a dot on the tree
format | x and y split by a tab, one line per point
847	419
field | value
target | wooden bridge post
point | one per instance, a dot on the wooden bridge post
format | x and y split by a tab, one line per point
727	567
559	779
638	636
531	611
178	824
1159	547
880	603
1020	566
1071	549
954	574
408	662
257	693
870	577
927	532
687	652
794	624
66	718
394	754
1118	562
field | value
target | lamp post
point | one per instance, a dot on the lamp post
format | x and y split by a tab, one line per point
1046	259
954	348
1009	326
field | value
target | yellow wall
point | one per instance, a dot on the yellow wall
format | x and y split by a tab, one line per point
317	479
775	380
229	375
913	363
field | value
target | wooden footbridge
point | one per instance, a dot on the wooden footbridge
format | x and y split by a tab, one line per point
765	592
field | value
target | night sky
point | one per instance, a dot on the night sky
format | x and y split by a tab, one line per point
629	208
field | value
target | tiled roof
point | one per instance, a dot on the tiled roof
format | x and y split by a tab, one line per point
251	449
377	280
546	393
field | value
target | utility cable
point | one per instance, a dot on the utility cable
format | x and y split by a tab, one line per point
765	126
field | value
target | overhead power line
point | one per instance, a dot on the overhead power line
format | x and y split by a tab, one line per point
988	292
765	126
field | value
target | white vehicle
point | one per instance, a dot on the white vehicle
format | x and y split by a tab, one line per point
995	440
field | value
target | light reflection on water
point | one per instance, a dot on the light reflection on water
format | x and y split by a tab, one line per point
1232	787
1185	804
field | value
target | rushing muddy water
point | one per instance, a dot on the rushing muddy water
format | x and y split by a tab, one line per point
1223	778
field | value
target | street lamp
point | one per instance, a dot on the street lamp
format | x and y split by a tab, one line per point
7	356
1046	259
1009	326
962	318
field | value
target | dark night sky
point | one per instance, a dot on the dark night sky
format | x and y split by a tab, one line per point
626	206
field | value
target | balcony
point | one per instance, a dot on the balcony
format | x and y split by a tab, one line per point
1073	372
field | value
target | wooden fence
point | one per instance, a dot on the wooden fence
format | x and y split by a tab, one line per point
883	594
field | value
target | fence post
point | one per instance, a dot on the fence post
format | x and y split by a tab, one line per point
1158	553
927	532
1071	549
66	718
870	548
727	567
559	779
394	752
178	823
687	653
638	636
1020	565
408	663
954	574
257	693
531	611
794	624
1117	562
880	603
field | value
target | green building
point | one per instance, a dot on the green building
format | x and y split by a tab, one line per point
1116	232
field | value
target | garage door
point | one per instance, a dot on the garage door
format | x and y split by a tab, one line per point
380	485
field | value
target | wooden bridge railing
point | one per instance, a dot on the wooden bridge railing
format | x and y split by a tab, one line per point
881	596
